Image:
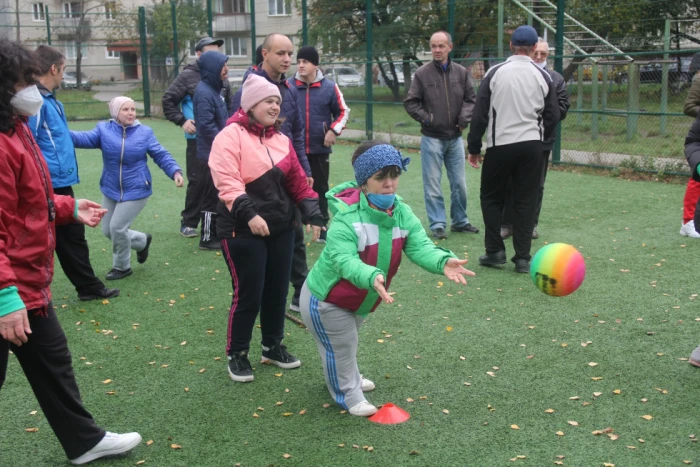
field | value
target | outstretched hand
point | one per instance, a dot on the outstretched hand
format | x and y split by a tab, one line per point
379	287
455	272
89	212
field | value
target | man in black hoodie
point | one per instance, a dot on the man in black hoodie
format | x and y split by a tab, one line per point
178	108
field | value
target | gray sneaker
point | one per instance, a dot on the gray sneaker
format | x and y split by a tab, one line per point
695	357
188	232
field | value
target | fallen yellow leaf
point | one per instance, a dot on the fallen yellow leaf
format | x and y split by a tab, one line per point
549	411
647	417
559	433
31	430
149	442
107	381
175	446
286	456
515	427
617	391
572	423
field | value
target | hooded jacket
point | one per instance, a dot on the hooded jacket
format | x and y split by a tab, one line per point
125	174
692	148
363	242
322	108
293	126
27	237
210	110
257	172
177	100
50	130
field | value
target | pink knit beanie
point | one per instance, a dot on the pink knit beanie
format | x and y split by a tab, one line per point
255	89
115	105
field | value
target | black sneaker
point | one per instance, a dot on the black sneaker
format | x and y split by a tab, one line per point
468	228
239	368
104	292
211	245
322	237
440	233
522	266
116	274
278	355
188	232
535	235
294	304
142	256
493	259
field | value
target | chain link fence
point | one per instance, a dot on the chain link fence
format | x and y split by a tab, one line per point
628	66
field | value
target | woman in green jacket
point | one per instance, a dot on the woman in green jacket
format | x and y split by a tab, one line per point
371	228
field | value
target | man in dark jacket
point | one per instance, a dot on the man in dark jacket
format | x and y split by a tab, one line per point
441	99
210	113
277	51
178	108
50	130
540	59
325	114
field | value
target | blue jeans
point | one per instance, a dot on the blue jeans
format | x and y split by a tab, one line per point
433	153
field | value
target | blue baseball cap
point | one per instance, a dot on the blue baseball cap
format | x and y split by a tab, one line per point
524	35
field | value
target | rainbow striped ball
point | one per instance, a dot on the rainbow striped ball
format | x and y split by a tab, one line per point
558	269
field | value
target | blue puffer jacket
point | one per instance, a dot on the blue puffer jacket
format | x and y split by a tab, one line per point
323	108
210	111
125	174
293	126
50	130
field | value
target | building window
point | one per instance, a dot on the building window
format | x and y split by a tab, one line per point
279	8
38	12
72	10
72	50
111	54
110	10
190	49
235	46
228	7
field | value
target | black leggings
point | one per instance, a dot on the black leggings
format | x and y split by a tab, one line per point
260	269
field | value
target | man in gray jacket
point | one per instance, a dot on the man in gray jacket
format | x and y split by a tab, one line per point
441	99
177	107
540	58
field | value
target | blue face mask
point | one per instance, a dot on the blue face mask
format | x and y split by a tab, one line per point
381	201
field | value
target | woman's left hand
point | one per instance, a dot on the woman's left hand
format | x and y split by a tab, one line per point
316	231
179	181
455	272
89	212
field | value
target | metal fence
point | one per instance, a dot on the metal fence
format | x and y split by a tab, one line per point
628	68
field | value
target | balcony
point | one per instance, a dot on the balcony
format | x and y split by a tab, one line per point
231	23
67	28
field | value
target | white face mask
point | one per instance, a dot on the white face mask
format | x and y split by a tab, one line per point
28	101
542	65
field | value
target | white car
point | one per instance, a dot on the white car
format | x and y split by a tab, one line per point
345	75
235	78
70	81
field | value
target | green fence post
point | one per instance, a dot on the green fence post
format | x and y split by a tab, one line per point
144	63
501	7
176	50
304	22
210	18
664	77
451	18
528	3
579	94
604	92
48	25
594	102
253	45
369	123
558	66
632	99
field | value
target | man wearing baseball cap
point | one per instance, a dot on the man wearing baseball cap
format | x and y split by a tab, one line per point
516	107
178	108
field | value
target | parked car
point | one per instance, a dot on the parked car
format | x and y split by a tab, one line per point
652	72
398	67
70	81
344	75
235	78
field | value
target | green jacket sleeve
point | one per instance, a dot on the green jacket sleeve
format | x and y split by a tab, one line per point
420	249
341	248
690	108
10	301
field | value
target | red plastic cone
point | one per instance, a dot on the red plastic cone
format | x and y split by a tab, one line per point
389	414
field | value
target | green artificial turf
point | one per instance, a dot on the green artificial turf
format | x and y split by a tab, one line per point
474	361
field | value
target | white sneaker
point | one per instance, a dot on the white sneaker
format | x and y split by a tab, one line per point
111	444
363	409
367	385
688	230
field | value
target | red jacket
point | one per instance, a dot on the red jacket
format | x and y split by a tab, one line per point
27	237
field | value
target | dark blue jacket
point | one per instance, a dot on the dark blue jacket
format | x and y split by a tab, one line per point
50	130
210	112
323	108
125	174
293	126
